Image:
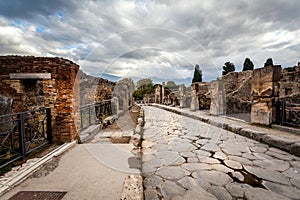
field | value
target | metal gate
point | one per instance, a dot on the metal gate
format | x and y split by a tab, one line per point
288	113
23	133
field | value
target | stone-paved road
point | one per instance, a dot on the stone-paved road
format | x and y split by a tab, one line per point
184	158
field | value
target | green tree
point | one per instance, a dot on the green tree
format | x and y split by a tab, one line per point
142	82
269	62
171	85
144	86
228	67
197	74
248	65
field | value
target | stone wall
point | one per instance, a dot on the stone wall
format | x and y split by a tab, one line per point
94	89
238	91
56	92
290	82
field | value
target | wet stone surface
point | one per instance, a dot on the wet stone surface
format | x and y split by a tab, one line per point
184	158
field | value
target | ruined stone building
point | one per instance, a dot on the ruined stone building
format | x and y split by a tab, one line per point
258	91
31	83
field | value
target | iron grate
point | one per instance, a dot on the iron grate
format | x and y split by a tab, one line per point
38	195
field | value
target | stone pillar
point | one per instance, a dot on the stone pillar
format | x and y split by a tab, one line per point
182	100
194	102
126	95
218	98
264	91
115	105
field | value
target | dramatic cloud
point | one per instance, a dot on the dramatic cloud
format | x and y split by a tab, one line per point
158	39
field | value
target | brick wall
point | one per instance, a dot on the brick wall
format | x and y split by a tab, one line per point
58	93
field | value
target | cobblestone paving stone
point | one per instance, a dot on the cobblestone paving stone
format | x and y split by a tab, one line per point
184	158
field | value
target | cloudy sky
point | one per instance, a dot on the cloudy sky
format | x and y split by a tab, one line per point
162	40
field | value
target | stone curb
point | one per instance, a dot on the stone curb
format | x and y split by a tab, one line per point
133	184
282	143
89	133
21	175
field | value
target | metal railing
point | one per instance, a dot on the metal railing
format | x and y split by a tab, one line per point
23	133
91	113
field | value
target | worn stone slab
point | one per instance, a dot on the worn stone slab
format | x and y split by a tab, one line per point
220	155
295	183
202	154
269	175
187	154
233	164
221	168
288	191
220	192
238	176
170	157
259	194
151	194
277	165
192	160
293	172
240	159
199	194
172	172
171	189
249	156
262	156
236	189
209	160
181	147
280	156
190	183
195	166
152	181
213	177
258	149
231	151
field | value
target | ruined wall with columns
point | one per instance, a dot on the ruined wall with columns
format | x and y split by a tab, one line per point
29	83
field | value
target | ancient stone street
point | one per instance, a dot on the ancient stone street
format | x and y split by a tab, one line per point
184	158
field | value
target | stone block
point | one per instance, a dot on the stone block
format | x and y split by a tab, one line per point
218	101
256	135
261	113
295	149
279	142
20	76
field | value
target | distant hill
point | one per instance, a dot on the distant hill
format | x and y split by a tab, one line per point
109	77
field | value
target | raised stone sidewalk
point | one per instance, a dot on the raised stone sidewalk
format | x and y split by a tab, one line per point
277	138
